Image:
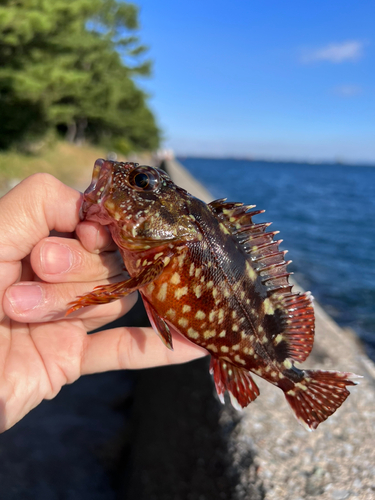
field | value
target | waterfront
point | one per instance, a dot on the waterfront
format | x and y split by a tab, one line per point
325	215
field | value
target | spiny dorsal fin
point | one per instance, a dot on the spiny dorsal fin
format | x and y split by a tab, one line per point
264	253
234	215
295	310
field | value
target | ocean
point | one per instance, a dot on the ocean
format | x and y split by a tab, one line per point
326	217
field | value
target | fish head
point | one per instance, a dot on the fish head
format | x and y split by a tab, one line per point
141	205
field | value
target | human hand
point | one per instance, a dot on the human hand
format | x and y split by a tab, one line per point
40	348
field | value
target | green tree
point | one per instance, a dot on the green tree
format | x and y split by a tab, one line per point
70	64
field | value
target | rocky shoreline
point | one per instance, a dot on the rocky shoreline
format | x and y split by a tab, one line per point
162	434
262	452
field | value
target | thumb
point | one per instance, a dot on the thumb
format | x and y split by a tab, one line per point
31	210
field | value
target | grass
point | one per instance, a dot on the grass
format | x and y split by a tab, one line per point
70	163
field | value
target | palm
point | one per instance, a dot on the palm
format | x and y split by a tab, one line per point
38	359
41	349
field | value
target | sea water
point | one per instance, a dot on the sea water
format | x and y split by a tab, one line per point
326	217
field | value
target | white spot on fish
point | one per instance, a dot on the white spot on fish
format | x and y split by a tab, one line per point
287	363
171	313
175	279
193	334
181	292
220	316
209	333
212	347
162	293
200	315
239	360
181	259
301	386
250	271
223	228
191	270
268	307
183	322
186	308
278	339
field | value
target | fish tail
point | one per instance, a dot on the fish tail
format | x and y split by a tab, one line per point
318	395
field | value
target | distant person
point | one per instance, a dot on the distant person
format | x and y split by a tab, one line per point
40	348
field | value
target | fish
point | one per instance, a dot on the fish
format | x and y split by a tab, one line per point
210	273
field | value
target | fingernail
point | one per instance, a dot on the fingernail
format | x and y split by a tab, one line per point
24	298
56	258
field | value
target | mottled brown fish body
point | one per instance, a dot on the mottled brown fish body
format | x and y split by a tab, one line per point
211	299
218	278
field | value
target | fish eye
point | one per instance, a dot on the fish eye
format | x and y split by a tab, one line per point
144	178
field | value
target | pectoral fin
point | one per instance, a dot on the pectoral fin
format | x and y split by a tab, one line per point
109	293
158	324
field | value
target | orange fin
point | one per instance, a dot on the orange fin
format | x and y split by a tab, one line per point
318	395
238	382
158	324
298	337
109	293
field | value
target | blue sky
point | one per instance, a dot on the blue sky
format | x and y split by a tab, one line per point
270	79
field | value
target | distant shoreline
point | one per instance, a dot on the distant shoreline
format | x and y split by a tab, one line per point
277	161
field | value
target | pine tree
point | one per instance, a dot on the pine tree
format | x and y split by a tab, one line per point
69	64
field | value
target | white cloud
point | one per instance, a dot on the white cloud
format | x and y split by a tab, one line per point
351	50
347	90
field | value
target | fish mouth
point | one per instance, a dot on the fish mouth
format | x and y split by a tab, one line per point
100	186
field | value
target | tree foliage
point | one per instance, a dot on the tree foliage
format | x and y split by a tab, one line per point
70	64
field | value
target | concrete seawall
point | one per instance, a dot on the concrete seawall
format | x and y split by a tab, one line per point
188	446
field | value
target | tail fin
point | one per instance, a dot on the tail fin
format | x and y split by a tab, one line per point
318	395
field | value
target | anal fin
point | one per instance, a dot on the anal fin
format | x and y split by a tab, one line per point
158	324
238	382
